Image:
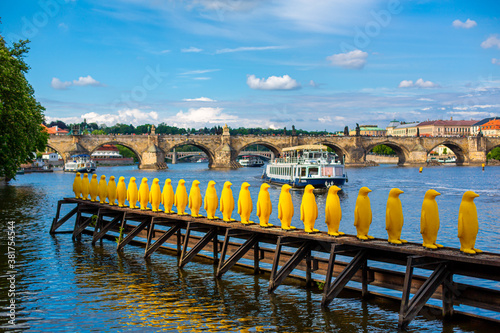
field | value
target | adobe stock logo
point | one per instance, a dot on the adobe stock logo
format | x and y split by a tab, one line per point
372	28
31	26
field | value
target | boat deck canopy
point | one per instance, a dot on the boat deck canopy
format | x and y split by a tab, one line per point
306	147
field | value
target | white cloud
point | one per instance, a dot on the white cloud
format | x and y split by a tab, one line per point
191	49
355	59
125	116
425	84
492	41
86	81
466	25
203	116
495	61
470	114
82	81
250	48
284	82
58	84
200	71
420	83
202	78
200	99
425	99
406	84
328	119
313	84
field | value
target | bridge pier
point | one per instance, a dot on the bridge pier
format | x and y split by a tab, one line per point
153	158
174	156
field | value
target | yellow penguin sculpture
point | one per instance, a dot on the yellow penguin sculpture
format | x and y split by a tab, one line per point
394	217
285	208
363	214
121	192
245	205
195	200
181	197
94	188
309	209
155	195
112	191
429	220
333	212
103	189
143	196
264	206
227	202
211	201
132	193
167	196
77	186
468	225
85	186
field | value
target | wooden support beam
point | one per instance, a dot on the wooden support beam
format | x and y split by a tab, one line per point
277	276
330	292
187	256
58	223
107	227
224	266
448	295
134	232
150	249
410	308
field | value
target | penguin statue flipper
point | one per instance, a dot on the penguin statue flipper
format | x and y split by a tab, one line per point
280	211
356	216
423	224
239	206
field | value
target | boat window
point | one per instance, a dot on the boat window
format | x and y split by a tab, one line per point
302	172
313	171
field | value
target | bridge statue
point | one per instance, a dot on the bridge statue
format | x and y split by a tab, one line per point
358	130
346	131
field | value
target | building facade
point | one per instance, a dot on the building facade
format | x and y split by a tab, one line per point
491	128
446	127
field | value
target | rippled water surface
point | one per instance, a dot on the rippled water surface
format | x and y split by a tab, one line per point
66	286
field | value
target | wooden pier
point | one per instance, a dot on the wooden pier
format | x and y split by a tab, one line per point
288	250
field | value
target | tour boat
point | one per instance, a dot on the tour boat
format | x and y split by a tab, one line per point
251	161
80	163
306	165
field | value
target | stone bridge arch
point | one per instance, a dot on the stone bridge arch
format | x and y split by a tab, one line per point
115	142
59	151
273	148
341	152
210	154
403	153
459	152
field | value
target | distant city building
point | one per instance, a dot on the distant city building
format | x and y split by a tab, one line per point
369	130
397	128
106	151
55	130
446	127
477	126
491	128
50	157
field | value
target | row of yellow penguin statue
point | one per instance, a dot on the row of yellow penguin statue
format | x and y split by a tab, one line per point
429	221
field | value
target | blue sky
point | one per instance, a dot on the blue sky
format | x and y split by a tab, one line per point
313	64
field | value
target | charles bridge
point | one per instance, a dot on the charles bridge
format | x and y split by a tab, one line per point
222	150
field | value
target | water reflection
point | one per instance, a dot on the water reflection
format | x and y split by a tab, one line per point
71	286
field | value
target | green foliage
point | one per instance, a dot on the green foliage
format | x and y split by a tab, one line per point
119	239
126	152
494	154
383	150
21	115
445	151
321	285
99	132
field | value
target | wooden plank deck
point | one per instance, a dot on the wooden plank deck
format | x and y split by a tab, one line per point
297	250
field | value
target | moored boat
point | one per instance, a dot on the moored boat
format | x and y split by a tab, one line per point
80	163
251	161
306	165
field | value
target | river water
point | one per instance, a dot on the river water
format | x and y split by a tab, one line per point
66	286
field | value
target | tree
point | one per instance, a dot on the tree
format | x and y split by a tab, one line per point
21	115
383	150
494	154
